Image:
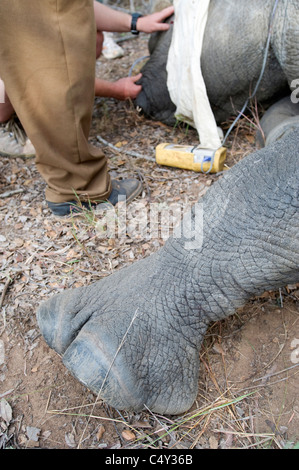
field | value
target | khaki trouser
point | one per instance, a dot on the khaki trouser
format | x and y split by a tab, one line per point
47	62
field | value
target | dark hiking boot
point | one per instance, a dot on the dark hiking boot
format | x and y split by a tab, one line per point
124	190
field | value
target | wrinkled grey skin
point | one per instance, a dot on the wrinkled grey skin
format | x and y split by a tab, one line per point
279	119
232	56
134	337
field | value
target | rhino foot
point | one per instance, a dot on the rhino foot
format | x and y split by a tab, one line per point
124	342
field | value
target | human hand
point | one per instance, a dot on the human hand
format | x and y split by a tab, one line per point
126	88
155	21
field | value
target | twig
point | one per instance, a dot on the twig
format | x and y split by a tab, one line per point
128	152
6	393
259	443
11	390
244	434
255	387
6	285
280	299
202	431
11	193
103	418
48	401
275	373
155	417
9	280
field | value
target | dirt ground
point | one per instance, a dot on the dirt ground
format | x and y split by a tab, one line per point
248	387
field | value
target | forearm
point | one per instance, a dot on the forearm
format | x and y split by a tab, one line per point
121	89
111	20
104	88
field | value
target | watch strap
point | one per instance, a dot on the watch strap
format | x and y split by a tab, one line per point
135	17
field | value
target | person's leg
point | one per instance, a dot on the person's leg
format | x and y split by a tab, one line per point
105	42
6	108
47	62
13	139
99	43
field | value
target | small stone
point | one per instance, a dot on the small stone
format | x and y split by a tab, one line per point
32	433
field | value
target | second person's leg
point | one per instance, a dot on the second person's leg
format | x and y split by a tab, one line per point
47	62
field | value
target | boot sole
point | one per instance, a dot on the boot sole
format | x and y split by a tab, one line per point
103	205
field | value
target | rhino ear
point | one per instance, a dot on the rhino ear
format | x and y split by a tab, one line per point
158	5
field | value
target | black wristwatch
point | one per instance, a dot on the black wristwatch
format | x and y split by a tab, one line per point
135	17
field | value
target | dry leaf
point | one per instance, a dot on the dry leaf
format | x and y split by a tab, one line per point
71	254
121	143
5	411
18	242
268	294
51	234
69	439
218	348
250	138
128	435
213	442
19	257
2	352
100	432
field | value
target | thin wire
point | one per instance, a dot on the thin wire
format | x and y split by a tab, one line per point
260	77
137	62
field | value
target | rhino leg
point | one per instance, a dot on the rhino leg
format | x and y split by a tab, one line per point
134	337
280	118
